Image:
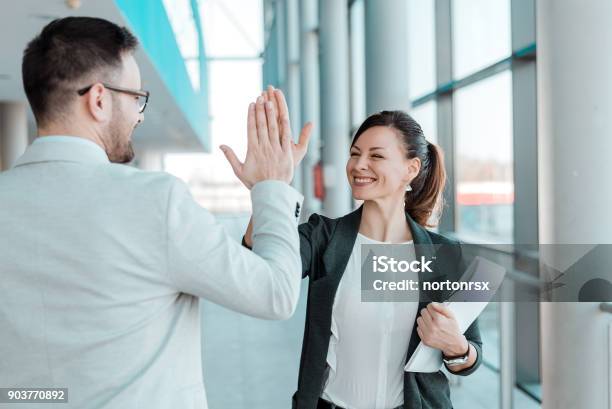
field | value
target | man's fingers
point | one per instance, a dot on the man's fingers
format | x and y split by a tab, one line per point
285	137
272	124
232	159
251	127
280	100
271	97
286	143
261	122
283	112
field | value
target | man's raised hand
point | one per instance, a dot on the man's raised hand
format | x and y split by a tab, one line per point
280	104
269	149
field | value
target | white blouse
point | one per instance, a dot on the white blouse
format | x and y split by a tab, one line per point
368	344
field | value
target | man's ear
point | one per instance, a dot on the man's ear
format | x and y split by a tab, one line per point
99	103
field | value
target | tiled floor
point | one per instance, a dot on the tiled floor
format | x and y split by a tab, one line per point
250	363
481	391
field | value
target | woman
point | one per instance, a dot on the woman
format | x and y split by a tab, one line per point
354	352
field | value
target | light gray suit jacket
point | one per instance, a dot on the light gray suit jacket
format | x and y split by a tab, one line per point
101	267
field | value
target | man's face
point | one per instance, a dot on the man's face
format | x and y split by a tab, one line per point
125	115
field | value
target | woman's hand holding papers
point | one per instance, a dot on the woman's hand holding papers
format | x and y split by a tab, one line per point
438	328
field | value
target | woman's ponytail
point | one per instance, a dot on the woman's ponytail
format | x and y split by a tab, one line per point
425	202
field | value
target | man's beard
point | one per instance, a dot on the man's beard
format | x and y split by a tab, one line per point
123	155
120	149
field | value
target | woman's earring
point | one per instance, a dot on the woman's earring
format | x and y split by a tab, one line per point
408	187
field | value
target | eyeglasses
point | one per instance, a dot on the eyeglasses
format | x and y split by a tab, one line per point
143	96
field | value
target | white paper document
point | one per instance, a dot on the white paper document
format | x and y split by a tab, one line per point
427	359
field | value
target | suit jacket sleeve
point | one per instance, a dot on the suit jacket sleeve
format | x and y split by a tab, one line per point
308	243
204	261
473	336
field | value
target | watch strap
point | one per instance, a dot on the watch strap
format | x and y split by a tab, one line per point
457	360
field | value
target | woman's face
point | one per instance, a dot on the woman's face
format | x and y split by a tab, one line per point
378	167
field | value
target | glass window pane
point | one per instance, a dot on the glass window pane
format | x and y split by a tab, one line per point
422	47
484	159
183	24
228	27
481	34
425	115
357	44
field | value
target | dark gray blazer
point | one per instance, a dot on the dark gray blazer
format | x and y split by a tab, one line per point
326	245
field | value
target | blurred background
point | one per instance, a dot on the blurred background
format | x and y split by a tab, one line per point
515	92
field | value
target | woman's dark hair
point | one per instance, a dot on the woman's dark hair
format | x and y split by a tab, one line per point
68	51
425	198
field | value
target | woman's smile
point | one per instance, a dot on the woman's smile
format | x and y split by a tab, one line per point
362	181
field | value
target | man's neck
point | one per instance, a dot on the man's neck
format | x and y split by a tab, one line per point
78	133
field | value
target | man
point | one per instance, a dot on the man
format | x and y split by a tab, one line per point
101	264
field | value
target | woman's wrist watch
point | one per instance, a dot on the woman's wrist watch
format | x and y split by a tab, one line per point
457	360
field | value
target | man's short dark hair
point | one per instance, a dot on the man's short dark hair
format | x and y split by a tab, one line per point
65	53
